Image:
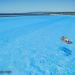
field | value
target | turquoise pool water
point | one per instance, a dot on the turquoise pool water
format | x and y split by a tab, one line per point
31	45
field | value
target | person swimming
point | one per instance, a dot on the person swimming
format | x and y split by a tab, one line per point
66	40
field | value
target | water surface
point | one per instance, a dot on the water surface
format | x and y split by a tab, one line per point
31	45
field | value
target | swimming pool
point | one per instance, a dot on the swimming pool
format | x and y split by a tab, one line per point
31	45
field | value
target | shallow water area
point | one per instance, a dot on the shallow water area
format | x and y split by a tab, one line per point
31	45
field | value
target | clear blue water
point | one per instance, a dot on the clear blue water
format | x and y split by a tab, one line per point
31	45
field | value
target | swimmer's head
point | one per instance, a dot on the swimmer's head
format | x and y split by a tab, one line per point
66	40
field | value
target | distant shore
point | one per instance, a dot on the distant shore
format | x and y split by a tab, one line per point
36	14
